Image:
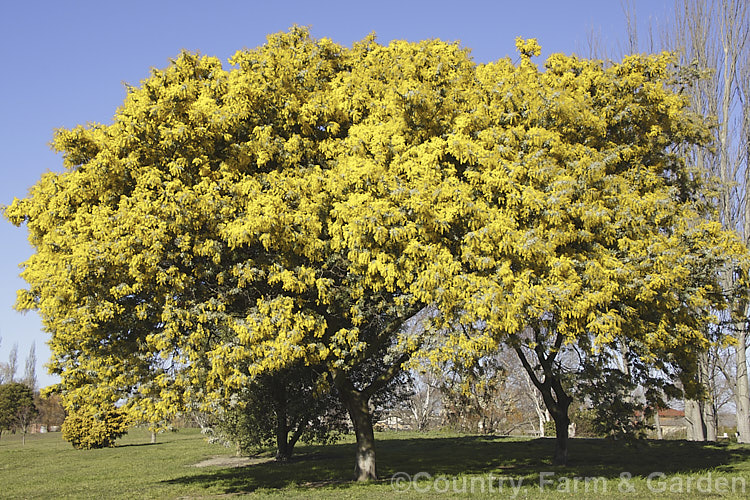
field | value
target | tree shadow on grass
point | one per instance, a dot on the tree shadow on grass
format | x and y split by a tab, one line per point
128	445
332	466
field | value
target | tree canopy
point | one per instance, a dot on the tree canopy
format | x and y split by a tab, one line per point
594	229
304	205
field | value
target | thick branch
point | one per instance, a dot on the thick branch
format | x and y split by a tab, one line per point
527	366
300	428
385	377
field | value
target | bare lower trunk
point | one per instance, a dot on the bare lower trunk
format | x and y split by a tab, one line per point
708	406
742	392
542	421
364	469
541	411
283	450
696	430
710	421
284	441
153	437
359	411
561	437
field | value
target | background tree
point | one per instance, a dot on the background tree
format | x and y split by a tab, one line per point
51	411
480	398
95	426
17	409
280	409
29	372
622	402
8	370
423	407
710	38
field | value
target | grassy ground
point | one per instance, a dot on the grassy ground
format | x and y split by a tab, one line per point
411	466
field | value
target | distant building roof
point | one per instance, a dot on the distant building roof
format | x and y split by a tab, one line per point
671	413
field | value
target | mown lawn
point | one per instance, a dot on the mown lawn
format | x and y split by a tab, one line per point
444	466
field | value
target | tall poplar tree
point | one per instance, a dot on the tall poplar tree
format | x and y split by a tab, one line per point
712	40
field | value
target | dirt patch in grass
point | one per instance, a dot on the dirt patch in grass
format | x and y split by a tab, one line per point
226	461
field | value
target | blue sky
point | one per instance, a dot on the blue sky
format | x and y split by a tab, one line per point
64	63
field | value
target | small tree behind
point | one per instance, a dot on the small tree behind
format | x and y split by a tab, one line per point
51	411
17	409
479	397
279	409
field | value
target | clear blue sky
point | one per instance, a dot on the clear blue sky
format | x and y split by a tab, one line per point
64	63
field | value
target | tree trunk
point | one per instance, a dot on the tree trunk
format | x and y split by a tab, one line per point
284	442
562	421
657	424
357	405
553	394
541	411
696	430
742	391
708	407
364	469
710	421
283	453
284	448
542	421
153	437
689	420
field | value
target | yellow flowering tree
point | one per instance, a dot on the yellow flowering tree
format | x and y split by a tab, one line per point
211	233
306	204
590	229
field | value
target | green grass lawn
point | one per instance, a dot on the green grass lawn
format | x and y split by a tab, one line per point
443	466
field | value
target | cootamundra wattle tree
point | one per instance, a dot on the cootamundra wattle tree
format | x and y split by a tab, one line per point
213	232
594	229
